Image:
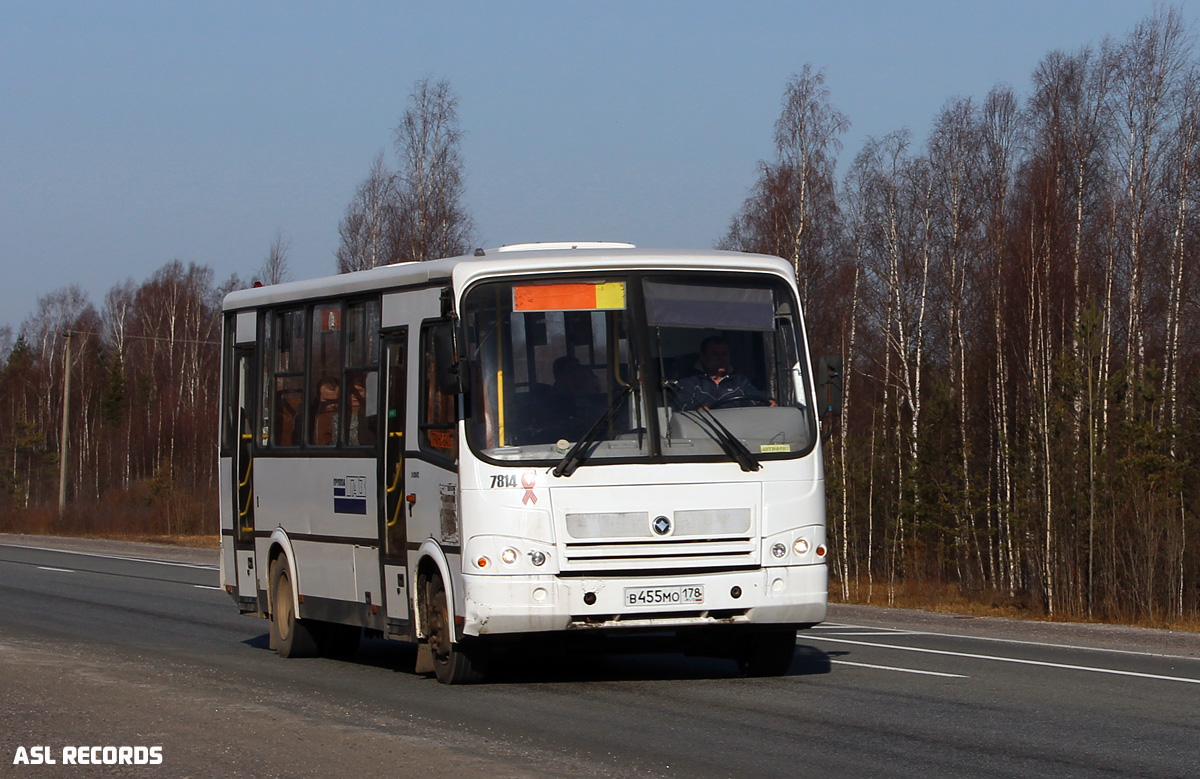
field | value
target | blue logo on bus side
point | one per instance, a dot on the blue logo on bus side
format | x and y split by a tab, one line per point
350	495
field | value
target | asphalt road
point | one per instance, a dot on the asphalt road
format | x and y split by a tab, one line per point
105	644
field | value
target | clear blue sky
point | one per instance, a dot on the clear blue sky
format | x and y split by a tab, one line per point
132	134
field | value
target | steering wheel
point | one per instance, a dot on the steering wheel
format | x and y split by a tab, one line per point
753	400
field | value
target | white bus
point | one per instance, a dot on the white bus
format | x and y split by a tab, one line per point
467	451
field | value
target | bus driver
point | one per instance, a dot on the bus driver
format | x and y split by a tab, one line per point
714	383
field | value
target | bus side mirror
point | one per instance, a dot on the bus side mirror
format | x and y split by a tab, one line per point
829	385
449	370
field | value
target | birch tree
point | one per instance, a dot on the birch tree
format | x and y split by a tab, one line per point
955	162
274	268
368	228
792	210
431	221
1152	62
1000	131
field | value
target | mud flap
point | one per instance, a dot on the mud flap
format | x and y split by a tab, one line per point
424	658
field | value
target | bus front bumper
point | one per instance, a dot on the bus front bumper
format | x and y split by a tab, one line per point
793	595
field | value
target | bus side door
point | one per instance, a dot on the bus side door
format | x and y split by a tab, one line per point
243	476
392	506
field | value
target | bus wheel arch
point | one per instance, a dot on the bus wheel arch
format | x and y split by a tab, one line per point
453	661
426	568
280	552
432	562
291	636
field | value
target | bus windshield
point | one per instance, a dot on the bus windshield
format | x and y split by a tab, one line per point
657	365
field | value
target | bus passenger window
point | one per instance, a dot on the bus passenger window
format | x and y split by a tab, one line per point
439	418
360	376
229	411
284	377
266	345
325	365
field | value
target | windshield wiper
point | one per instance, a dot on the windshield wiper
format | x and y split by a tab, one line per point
708	422
578	453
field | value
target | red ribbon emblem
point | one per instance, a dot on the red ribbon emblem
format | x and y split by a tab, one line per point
529	481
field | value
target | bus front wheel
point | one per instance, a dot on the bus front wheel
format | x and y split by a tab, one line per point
290	635
453	662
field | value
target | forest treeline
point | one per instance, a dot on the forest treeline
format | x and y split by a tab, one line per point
1016	304
140	426
1015	301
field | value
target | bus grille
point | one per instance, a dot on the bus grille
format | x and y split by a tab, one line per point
625	541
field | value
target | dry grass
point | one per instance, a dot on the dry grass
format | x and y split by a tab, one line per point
948	598
138	514
187	541
190	542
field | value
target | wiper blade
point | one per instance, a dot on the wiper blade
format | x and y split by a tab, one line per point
727	440
708	422
578	453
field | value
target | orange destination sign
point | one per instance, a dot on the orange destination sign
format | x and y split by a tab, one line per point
569	297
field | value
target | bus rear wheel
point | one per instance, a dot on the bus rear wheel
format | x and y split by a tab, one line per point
290	634
453	662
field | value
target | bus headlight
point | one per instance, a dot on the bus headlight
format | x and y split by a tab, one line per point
508	556
801	546
779	550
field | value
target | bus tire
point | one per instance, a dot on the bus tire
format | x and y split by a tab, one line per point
290	634
767	652
453	662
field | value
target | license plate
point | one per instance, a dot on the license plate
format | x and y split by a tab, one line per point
684	594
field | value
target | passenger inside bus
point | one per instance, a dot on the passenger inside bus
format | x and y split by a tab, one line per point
287	408
572	403
546	413
360	427
325	412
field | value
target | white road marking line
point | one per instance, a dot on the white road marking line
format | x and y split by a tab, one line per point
1020	642
113	557
869	633
901	670
1017	660
205	587
60	570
